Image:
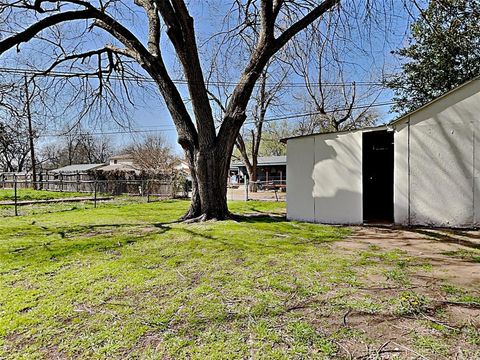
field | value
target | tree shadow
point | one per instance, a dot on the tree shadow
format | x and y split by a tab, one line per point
98	242
445	238
259	218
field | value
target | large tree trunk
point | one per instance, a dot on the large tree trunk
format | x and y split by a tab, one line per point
209	171
252	170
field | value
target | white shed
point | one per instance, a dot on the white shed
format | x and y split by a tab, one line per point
422	169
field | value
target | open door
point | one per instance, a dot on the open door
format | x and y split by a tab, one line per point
377	168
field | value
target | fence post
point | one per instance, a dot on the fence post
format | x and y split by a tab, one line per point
246	188
78	181
61	181
148	191
15	193
95	194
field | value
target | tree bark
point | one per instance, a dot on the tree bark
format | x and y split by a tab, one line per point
209	171
253	176
31	136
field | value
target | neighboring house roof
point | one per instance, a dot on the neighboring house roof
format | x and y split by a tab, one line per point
77	168
265	161
182	166
118	167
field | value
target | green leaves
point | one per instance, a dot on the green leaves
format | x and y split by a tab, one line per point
443	53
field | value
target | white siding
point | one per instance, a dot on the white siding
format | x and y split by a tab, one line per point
300	159
476	170
324	176
441	173
400	174
338	178
442	179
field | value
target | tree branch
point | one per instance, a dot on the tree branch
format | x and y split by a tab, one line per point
304	22
30	32
265	49
153	25
182	35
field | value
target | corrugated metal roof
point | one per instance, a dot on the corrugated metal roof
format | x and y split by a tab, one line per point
266	161
78	167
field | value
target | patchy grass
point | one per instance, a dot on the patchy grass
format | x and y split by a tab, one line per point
127	281
470	255
30	194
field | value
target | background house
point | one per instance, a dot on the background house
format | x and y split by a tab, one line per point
423	169
120	163
270	168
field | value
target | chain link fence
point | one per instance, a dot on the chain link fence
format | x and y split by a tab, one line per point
21	196
272	190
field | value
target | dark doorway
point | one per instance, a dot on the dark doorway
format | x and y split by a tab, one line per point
378	177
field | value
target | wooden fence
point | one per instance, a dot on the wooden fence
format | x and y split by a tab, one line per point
86	182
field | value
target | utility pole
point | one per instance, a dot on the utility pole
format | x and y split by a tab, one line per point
30	134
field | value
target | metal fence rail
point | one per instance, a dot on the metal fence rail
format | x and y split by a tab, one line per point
16	193
21	195
272	190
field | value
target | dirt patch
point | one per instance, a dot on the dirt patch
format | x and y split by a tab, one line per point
416	297
430	245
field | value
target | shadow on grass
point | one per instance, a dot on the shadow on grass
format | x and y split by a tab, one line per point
259	218
97	241
272	233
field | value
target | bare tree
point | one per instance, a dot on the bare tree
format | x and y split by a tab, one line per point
264	98
208	151
17	135
14	145
153	154
274	132
78	146
335	105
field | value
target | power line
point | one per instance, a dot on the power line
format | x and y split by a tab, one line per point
19	71
109	132
271	119
295	116
24	71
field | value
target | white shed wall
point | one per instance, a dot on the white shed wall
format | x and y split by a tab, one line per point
337	176
300	161
476	170
436	168
325	178
400	175
436	162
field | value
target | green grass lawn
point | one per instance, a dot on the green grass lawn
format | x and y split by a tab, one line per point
30	194
121	282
